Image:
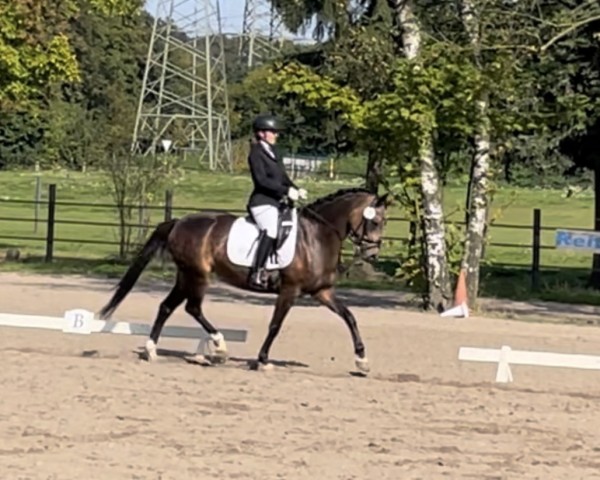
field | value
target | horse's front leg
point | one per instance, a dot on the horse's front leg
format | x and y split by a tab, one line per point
328	298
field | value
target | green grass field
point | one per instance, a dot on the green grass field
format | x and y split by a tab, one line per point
563	273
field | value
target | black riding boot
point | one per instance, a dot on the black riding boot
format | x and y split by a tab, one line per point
265	247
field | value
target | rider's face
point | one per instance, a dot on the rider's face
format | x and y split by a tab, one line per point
269	137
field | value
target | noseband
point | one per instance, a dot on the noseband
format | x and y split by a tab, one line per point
361	240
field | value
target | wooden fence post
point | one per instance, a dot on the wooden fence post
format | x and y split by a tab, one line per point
37	199
50	224
168	205
535	263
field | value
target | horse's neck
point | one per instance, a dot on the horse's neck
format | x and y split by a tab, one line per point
335	214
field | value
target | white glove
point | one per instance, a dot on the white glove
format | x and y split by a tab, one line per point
293	193
303	194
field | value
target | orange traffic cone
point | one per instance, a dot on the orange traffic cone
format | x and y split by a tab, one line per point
460	309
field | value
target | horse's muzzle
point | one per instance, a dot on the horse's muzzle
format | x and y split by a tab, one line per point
369	253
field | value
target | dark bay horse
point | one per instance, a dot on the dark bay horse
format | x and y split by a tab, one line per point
197	244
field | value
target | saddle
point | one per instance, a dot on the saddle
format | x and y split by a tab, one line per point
244	234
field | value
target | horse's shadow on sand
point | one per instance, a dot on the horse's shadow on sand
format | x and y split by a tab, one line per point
190	358
244	363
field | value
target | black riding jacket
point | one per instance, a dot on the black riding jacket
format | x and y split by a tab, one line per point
271	181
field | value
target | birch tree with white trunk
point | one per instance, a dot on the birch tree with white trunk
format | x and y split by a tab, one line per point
478	198
438	286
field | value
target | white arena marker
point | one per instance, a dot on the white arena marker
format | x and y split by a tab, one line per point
83	322
506	356
78	321
503	374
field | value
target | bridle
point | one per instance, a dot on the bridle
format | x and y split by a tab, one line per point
362	240
359	240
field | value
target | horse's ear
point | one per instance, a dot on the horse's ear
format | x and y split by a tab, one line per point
385	200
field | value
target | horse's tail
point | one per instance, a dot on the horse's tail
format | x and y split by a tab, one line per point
156	242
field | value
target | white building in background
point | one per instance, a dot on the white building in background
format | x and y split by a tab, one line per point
299	165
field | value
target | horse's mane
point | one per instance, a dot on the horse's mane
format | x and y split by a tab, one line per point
319	202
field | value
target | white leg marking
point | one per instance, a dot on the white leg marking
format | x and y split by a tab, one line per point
217	338
362	364
220	347
151	350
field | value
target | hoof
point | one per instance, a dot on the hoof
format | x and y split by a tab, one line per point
362	364
218	353
214	349
217	359
150	350
201	360
266	367
261	367
220	357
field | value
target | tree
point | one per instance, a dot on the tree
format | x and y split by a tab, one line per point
21	133
478	188
363	58
309	128
34	48
135	181
397	85
569	67
438	280
69	137
33	53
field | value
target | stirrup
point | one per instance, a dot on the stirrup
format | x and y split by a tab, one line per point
256	279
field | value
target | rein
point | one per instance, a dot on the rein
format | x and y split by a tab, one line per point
325	222
354	237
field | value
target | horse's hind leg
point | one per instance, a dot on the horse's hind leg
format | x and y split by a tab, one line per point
167	307
197	285
284	303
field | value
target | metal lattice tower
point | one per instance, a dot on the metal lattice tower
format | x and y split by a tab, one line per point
262	33
184	92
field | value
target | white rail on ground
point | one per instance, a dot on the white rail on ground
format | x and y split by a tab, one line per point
80	321
505	357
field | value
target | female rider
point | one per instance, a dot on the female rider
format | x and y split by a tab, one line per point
271	186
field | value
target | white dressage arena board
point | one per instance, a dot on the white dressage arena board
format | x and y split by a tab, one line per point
505	356
242	242
81	321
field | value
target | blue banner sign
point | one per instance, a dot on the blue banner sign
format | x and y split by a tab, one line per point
577	240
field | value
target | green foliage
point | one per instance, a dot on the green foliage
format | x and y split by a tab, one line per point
70	73
116	7
21	133
363	57
70	123
411	255
434	92
310	112
316	91
28	64
68	137
34	48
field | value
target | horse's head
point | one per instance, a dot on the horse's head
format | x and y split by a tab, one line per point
353	212
366	223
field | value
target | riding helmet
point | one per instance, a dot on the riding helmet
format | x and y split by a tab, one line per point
267	122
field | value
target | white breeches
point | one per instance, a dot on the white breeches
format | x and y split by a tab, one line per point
266	217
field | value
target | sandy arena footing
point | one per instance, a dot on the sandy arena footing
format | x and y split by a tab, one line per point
86	406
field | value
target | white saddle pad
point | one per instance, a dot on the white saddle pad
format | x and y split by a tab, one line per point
243	241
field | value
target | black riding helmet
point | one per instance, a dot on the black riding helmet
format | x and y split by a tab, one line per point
267	122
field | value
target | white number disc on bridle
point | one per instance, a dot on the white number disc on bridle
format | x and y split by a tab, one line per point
369	213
